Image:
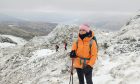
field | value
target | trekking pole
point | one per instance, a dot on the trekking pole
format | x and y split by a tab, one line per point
70	79
71	74
72	70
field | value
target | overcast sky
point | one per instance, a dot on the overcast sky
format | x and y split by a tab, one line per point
66	6
71	11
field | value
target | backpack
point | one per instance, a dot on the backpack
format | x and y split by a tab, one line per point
66	44
57	46
90	43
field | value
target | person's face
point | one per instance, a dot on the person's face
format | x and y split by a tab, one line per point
81	31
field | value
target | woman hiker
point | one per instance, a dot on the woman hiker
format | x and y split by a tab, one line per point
84	56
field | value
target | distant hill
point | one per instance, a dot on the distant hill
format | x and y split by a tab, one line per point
26	30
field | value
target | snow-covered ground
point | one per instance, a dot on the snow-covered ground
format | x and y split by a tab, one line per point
41	53
120	63
3	45
11	41
37	62
18	40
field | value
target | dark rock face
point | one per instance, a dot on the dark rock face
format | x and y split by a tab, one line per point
5	39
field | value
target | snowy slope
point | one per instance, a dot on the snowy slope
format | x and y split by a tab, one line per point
62	33
120	62
37	62
4	45
9	41
18	40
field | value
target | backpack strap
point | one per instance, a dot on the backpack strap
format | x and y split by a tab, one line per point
90	45
76	45
94	38
85	59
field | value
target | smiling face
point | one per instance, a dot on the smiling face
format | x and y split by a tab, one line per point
82	31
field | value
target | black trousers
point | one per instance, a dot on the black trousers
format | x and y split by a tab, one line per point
81	74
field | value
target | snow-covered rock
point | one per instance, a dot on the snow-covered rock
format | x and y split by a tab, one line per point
10	41
37	62
18	40
120	62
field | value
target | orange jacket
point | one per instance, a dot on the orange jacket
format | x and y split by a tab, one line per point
83	52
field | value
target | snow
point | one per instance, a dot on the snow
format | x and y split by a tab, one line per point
4	45
18	40
43	52
101	79
37	62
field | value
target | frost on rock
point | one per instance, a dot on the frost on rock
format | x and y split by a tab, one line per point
37	62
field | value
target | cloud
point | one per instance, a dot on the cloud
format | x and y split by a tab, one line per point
69	5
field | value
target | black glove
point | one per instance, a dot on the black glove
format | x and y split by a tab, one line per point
73	54
87	69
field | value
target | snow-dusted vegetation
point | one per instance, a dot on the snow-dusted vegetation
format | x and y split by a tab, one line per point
37	62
